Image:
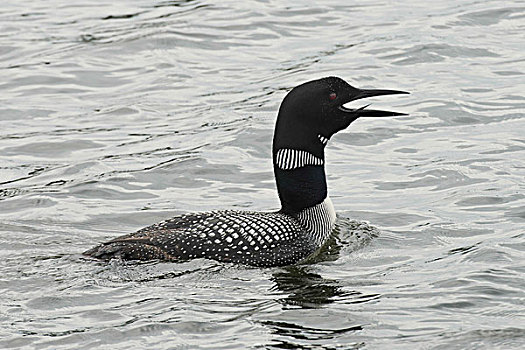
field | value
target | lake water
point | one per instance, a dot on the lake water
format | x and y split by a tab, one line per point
116	116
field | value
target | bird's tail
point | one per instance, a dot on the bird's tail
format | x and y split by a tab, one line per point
127	250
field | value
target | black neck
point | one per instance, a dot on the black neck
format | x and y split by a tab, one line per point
300	188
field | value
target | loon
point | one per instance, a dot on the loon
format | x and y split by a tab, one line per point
308	117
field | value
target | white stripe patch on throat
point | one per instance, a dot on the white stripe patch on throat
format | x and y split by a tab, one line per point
323	139
288	159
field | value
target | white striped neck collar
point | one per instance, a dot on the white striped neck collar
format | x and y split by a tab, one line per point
289	159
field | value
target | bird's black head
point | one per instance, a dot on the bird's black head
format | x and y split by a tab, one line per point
317	108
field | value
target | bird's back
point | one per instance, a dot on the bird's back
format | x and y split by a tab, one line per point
250	238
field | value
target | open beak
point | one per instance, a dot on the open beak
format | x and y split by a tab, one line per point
356	94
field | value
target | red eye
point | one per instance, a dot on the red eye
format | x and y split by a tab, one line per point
332	96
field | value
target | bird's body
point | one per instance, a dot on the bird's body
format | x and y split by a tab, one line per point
243	237
309	115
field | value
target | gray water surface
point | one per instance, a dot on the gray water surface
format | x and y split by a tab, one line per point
114	116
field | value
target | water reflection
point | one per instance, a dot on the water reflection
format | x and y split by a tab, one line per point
289	336
304	288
